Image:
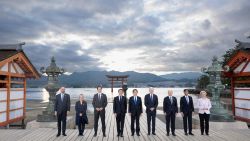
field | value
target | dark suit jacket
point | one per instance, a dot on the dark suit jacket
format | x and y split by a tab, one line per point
62	106
99	103
168	107
135	108
186	107
120	106
81	109
151	104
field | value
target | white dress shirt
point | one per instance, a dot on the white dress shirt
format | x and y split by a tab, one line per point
204	103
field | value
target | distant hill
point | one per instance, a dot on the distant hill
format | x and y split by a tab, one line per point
184	75
93	78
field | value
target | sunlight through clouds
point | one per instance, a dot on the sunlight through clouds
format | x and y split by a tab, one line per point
155	36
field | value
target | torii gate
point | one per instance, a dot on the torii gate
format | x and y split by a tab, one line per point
118	78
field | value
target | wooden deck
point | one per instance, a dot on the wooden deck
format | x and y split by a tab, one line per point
49	134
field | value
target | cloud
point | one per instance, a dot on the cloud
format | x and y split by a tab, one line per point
141	35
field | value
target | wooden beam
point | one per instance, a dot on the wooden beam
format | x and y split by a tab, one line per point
238	55
242	119
16	99
13	65
3	101
30	66
17	82
2	112
21	57
12	74
244	67
16	109
241	74
246	109
243	99
242	81
3	81
3	62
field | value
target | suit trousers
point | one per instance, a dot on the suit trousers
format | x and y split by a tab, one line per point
170	118
151	117
120	123
61	122
135	119
98	114
204	122
187	119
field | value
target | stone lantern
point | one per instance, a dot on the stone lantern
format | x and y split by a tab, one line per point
218	113
52	72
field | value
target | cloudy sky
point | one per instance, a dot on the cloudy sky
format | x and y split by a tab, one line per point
156	36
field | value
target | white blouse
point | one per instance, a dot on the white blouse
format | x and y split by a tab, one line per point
204	103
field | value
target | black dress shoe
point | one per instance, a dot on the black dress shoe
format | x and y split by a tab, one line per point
80	135
95	135
167	134
104	135
148	133
207	134
191	134
186	134
202	133
173	134
121	135
132	134
153	133
58	135
64	134
138	134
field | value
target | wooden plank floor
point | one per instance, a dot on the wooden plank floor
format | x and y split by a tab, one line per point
49	134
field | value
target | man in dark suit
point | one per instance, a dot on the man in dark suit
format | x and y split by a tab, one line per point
135	111
151	103
187	109
62	107
120	110
170	109
99	103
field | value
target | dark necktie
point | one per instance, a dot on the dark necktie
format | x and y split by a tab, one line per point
99	97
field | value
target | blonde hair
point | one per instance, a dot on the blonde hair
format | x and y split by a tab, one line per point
81	95
203	92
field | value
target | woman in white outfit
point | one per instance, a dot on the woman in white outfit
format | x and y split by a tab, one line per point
204	106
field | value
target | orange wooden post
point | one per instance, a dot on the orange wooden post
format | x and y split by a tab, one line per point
8	95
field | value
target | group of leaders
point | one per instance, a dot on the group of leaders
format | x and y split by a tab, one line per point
135	110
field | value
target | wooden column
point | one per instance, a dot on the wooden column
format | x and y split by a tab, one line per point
8	86
232	94
24	97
